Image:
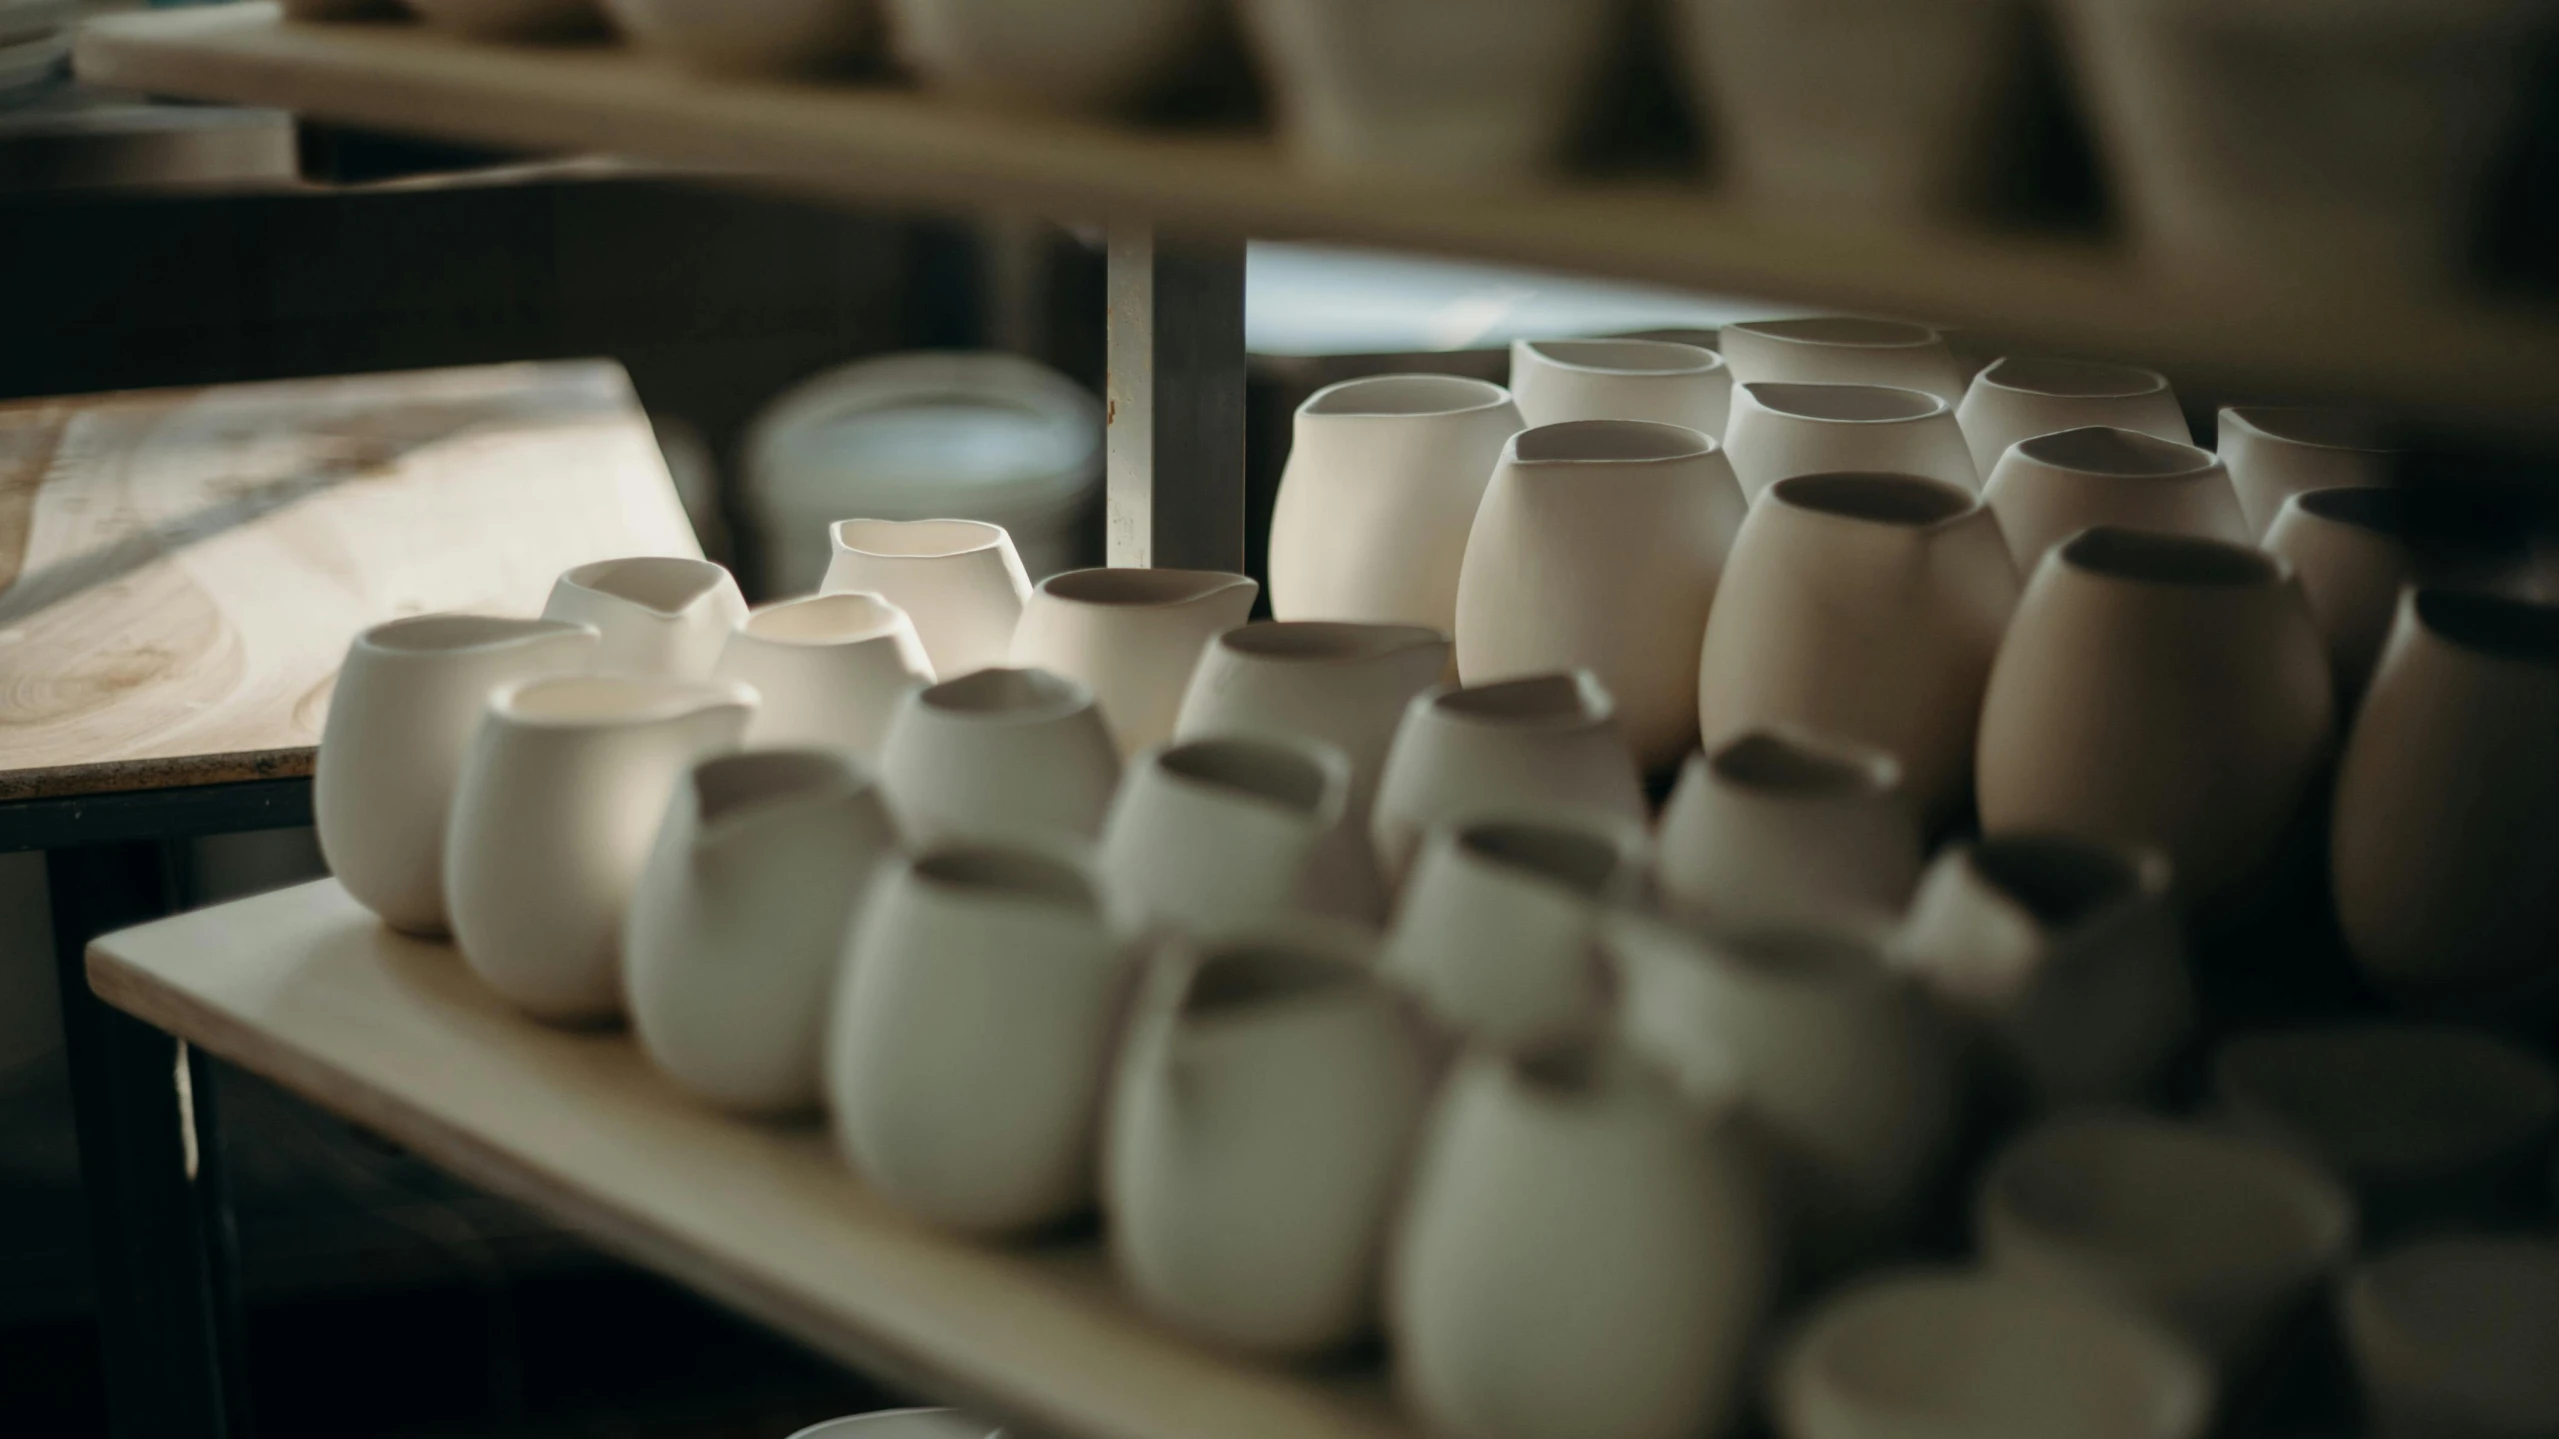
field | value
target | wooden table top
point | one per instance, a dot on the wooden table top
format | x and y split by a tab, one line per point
306	988
181	570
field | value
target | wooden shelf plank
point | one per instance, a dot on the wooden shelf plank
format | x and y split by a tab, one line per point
181	570
306	988
2456	358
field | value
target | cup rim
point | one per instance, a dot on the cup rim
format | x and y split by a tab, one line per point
2135	454
1279	641
1680	359
1788	398
962	537
1836	332
701	580
614	701
1639	442
1017	695
2131	382
2119	554
389	639
2359	432
1480	395
886	621
1484	705
1134	587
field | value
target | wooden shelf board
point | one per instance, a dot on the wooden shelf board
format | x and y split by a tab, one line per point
306	988
2456	358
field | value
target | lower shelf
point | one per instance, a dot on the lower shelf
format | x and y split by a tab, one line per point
307	988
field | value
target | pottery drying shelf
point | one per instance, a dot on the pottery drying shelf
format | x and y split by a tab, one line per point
2454	357
308	989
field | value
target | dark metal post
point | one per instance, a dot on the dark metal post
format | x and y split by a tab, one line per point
151	1163
1176	401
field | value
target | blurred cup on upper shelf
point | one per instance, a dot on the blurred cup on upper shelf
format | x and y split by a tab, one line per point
511	19
2019	398
1042	55
2275	452
748	36
1877	107
2268	144
1844	350
1781	429
1674	384
2051	487
1426	91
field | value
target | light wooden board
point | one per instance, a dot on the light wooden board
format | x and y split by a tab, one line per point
306	988
2452	357
181	570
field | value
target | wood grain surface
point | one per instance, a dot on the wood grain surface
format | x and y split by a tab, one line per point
308	989
181	570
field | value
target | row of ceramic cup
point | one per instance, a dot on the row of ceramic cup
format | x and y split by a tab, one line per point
2093	644
605	851
2228	165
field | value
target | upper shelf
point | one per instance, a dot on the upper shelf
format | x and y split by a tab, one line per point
2460	359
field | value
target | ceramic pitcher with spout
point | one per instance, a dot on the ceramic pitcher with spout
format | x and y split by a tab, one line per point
1570	1179
658	615
407	702
1133	636
1344	685
961	581
559	802
1383	478
1598	546
1865	607
969	1050
1267	1095
739	921
831	670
